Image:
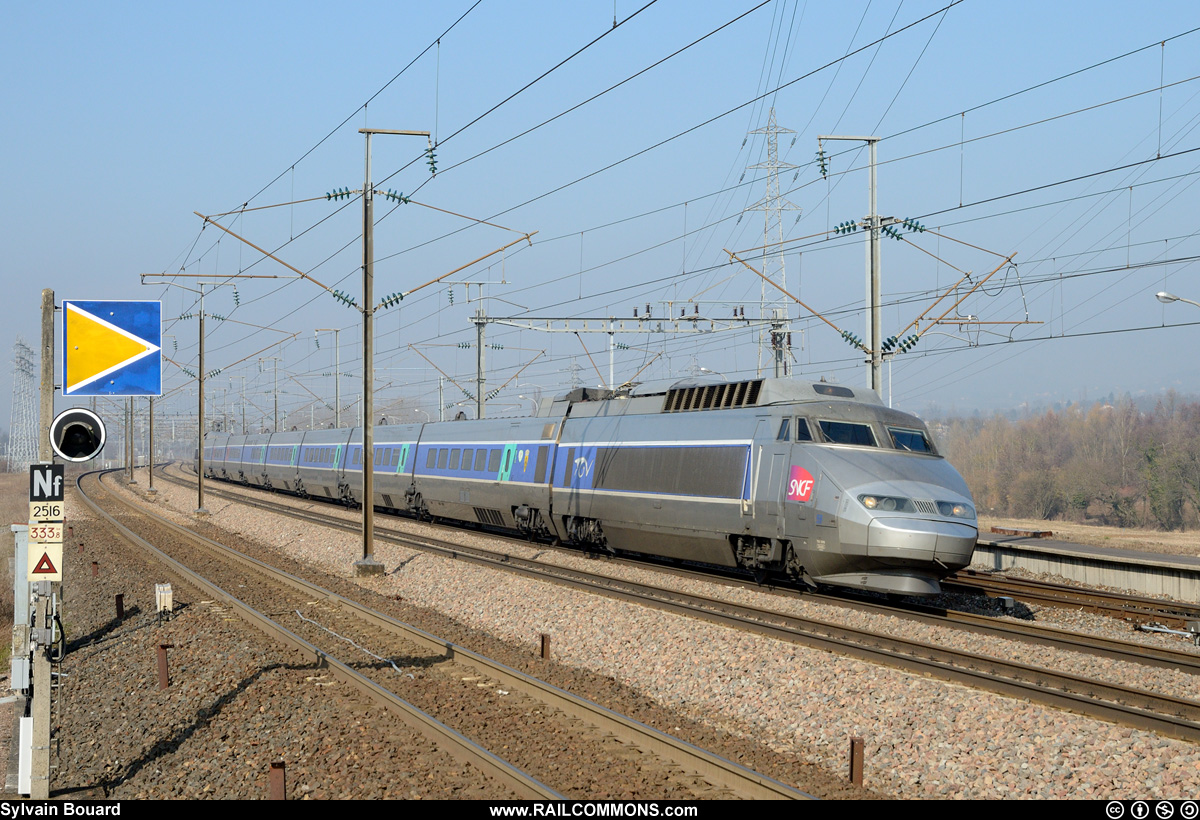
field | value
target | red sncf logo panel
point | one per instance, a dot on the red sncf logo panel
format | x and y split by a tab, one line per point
800	485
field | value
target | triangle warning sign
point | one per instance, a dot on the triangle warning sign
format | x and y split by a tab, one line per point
45	566
98	347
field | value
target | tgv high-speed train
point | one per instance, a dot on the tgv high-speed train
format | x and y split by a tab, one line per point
816	482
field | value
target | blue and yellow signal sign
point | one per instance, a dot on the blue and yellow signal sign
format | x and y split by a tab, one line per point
112	348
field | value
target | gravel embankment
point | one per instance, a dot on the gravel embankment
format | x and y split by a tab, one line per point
233	707
924	738
236	703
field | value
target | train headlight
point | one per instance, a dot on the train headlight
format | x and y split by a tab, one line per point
887	503
956	510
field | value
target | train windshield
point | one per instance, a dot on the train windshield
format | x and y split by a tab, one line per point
845	432
908	439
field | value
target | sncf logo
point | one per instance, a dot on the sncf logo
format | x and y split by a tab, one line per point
800	485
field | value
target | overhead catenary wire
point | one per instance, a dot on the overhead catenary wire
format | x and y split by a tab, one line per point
601	294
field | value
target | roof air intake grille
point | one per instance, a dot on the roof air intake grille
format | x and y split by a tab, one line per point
713	396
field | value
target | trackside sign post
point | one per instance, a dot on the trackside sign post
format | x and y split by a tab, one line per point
46	518
47	486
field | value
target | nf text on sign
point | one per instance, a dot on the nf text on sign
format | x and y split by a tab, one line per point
112	348
46	482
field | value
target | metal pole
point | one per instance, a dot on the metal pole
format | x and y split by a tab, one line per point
200	418
874	292
337	374
131	459
368	565
39	772
611	347
150	459
46	405
874	318
480	378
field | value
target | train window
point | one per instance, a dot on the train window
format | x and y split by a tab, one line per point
494	461
395	457
454	459
912	440
468	460
539	467
508	460
783	431
357	457
442	453
431	458
834	390
379	454
802	431
845	432
569	467
480	460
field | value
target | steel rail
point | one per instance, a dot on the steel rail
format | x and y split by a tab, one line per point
1130	607
461	748
1132	707
718	771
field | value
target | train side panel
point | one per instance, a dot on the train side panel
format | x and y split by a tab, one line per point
319	464
674	485
494	472
392	465
254	451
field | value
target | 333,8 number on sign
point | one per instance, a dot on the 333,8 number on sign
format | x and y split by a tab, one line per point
46	533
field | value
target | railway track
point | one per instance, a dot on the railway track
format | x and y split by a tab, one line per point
1177	717
1134	608
466	702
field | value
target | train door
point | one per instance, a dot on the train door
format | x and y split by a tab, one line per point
825	514
800	490
775	489
759	475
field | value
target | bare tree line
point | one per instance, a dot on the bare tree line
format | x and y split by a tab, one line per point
1111	463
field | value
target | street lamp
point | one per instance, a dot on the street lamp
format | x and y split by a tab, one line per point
1168	298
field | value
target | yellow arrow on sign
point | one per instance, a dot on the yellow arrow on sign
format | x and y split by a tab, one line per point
98	348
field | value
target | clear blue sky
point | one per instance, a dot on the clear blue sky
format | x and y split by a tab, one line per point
122	121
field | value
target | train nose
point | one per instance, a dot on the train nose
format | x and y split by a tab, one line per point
919	539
